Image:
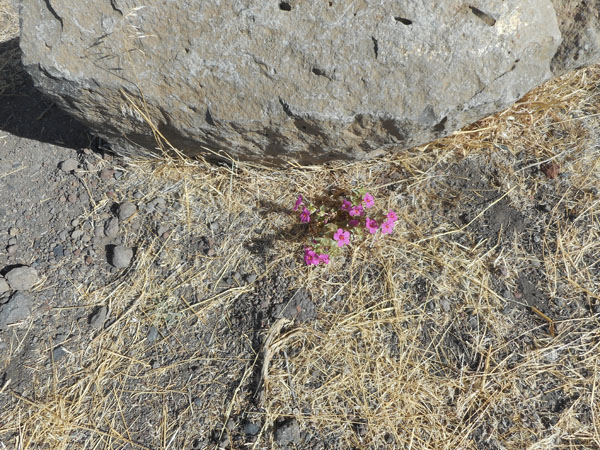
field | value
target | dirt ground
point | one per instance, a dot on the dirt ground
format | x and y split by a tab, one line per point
475	325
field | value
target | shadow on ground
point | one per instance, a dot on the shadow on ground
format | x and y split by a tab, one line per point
27	113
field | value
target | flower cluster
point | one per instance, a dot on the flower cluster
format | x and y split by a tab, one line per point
337	227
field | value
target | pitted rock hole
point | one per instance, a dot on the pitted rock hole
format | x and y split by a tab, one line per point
403	20
484	17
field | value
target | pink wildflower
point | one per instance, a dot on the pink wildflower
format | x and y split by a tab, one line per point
353	222
357	211
346	205
392	216
305	215
298	203
368	200
387	227
324	258
342	237
310	257
371	225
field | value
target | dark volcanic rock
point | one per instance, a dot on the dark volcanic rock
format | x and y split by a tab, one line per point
312	81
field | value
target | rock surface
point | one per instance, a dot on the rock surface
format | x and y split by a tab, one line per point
311	81
17	308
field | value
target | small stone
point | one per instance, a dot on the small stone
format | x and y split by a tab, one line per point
21	278
12	249
111	227
118	174
251	428
214	227
17	309
58	252
126	210
197	402
76	234
13	231
121	256
288	433
68	165
158	204
152	334
445	304
99	317
162	229
12	241
155	364
72	198
58	353
74	222
89	260
107	174
250	278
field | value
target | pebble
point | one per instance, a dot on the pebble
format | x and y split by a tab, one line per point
155	364
17	308
198	402
107	174
68	165
158	204
58	353
99	317
126	210
152	334
3	286
251	428
74	222
72	198
21	278
13	231
12	249
12	241
121	256
58	252
76	234
111	227
445	303
250	278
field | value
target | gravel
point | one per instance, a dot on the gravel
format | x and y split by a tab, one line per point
21	278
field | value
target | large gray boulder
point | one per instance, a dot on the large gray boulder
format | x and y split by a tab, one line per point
276	80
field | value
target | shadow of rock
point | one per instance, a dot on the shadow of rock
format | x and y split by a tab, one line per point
25	112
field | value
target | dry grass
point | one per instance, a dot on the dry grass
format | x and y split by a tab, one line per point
385	364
